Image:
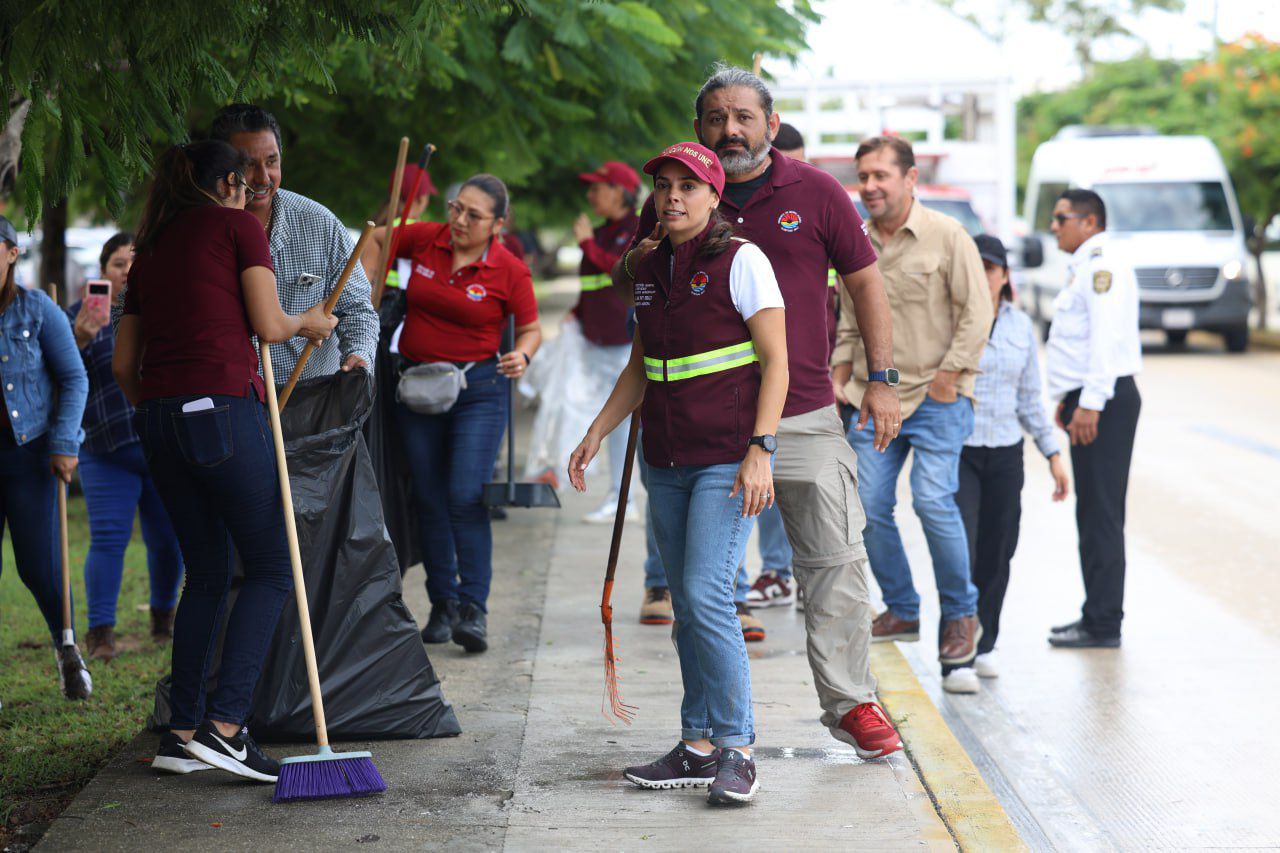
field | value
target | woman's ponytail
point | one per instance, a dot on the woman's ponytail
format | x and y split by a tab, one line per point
186	176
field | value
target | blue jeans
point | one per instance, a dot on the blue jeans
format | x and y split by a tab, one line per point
654	574
702	538
29	504
936	432
775	550
451	457
215	471
115	485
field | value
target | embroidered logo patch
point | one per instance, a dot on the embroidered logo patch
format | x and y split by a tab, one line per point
1101	281
476	292
698	283
789	221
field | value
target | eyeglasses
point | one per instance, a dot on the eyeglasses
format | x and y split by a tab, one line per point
1061	218
463	214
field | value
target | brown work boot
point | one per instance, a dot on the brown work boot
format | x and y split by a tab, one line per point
162	624
101	642
656	609
959	641
887	627
752	627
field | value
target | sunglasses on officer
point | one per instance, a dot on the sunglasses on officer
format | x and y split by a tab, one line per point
1062	218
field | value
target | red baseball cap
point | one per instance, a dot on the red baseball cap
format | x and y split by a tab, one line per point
700	159
613	172
406	185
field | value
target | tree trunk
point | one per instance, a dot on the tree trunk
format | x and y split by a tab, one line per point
11	145
53	248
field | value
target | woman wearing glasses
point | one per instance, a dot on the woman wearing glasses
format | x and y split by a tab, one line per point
463	285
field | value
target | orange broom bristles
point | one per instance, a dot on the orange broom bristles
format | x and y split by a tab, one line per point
612	705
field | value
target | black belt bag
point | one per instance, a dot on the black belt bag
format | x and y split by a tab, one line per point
432	388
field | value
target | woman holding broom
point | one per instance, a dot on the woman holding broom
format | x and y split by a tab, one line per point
201	286
709	364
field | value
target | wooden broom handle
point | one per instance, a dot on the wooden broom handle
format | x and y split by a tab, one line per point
624	489
67	628
381	270
329	305
295	554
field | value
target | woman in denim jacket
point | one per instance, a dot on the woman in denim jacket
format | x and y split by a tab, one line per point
44	386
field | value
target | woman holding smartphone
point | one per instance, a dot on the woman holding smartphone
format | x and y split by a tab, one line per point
709	364
202	285
114	473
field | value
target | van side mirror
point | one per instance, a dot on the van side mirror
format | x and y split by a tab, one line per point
1032	252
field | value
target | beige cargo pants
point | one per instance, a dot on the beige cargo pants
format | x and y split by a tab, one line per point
815	477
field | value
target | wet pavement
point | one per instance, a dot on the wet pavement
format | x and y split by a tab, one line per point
1168	742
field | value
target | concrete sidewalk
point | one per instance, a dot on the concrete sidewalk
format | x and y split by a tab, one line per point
538	766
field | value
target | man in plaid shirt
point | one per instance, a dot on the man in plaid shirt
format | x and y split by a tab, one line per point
309	248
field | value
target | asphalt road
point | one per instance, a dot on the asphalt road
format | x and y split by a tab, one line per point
1169	741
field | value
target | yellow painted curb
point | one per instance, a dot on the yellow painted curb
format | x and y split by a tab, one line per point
964	802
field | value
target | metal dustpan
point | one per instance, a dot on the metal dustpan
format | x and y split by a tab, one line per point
511	493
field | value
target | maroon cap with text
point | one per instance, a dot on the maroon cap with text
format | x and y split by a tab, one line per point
704	164
613	172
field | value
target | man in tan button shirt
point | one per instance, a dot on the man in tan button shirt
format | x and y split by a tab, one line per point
942	316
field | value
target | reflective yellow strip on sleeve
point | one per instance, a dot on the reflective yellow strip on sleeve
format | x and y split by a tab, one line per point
595	282
701	364
832	278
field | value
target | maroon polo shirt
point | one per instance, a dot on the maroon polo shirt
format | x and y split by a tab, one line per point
804	221
460	316
185	287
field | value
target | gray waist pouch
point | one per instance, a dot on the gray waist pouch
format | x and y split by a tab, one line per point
433	388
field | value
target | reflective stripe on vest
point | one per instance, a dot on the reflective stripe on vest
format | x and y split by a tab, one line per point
599	281
714	361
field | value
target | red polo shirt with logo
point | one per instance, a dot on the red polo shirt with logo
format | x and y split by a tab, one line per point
459	316
804	221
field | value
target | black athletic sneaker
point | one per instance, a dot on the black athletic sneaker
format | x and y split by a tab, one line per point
172	758
444	616
679	768
238	754
470	630
735	780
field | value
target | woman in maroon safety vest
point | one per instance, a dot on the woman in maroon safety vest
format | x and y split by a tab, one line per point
709	363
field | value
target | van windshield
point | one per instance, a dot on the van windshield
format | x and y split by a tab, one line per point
1173	206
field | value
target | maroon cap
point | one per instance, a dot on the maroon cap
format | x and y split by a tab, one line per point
406	185
613	172
701	161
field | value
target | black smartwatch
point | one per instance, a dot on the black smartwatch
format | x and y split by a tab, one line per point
768	442
889	376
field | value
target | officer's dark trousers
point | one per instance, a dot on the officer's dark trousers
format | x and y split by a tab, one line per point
990	501
1102	479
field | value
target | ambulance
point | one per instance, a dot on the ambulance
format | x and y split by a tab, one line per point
1171	209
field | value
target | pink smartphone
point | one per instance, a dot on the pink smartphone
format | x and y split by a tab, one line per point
98	300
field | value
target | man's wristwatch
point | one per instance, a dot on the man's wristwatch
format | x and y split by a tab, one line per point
768	442
889	376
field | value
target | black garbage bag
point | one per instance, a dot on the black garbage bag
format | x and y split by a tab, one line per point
374	671
382	435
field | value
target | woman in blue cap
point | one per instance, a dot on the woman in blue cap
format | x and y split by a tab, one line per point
44	386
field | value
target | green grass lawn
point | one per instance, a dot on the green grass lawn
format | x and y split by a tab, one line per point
51	747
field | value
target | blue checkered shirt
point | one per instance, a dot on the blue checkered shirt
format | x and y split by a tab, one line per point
108	417
309	248
1008	387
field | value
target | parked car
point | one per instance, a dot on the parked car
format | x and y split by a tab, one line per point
1170	207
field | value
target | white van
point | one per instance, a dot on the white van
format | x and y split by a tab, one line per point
1170	207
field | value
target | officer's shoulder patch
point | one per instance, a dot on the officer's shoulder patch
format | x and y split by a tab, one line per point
1096	252
1101	281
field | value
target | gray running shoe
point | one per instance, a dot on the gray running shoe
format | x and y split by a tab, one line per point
735	781
679	768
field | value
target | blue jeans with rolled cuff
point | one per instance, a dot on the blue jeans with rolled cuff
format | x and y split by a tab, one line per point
116	484
702	538
451	458
29	507
215	471
936	433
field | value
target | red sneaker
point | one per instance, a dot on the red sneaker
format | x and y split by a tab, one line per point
867	729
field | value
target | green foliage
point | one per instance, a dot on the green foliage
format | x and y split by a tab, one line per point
49	747
1234	99
533	91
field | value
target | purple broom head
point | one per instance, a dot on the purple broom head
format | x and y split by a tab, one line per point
327	775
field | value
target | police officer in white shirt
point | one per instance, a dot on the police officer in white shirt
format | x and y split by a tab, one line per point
1093	354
